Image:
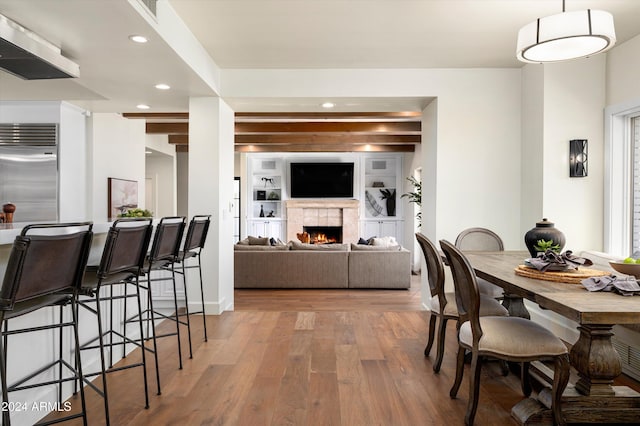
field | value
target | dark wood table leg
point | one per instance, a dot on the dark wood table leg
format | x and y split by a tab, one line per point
515	306
596	360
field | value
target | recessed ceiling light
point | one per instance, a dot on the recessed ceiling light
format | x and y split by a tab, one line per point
163	86
148	152
138	39
142	106
328	105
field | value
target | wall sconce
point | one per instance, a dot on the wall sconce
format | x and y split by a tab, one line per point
578	158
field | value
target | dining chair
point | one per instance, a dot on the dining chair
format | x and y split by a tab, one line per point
481	239
508	338
45	269
123	256
442	305
191	249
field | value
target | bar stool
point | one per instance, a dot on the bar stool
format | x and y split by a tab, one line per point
192	248
45	269
122	259
162	257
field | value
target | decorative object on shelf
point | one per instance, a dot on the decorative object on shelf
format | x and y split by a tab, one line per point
389	195
261	195
578	158
544	235
372	205
268	180
567	35
261	211
122	196
378	184
271	214
136	213
8	209
415	196
273	195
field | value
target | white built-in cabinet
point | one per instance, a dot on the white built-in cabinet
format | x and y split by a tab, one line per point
381	209
377	175
266	190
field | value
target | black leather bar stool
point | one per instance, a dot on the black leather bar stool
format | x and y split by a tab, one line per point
162	257
191	249
122	260
45	269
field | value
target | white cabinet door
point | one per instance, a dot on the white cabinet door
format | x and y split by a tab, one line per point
266	228
382	228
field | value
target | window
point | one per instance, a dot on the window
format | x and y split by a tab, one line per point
634	133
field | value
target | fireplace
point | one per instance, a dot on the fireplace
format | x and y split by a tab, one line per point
324	234
329	213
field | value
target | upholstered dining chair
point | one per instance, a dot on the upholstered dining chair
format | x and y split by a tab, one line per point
481	239
443	306
507	338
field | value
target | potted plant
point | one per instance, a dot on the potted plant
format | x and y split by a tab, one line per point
415	196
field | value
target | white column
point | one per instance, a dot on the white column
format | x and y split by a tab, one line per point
211	162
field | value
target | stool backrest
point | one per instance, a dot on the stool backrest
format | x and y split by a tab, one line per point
126	246
46	259
197	232
167	239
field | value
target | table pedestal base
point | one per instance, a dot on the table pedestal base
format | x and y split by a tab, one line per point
621	407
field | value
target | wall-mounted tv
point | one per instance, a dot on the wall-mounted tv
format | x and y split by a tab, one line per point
321	180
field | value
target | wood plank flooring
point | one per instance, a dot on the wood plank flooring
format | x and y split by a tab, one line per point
308	357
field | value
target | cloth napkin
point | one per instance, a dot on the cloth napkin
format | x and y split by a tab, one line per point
552	261
626	286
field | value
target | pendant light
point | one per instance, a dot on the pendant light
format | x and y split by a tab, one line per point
567	35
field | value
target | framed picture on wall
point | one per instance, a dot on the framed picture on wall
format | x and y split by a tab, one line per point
122	196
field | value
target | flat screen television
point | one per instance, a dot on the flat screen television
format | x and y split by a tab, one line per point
321	180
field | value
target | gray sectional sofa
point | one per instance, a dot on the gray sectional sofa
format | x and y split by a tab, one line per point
298	265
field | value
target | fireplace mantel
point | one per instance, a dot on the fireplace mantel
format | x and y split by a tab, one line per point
326	212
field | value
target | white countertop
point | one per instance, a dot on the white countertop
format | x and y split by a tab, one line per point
9	231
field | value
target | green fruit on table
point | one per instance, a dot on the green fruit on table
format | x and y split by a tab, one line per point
638	260
629	260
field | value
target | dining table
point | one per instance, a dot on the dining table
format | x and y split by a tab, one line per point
593	398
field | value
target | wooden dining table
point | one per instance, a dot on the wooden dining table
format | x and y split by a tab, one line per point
593	398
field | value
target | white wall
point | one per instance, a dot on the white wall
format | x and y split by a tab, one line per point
478	133
161	169
623	68
182	183
118	146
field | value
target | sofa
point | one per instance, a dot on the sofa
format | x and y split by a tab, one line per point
298	265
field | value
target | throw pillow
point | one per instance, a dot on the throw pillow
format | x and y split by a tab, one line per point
360	247
258	241
384	241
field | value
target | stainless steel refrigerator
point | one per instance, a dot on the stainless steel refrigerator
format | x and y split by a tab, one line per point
29	171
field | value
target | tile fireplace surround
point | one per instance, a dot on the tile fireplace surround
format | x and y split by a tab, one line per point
323	213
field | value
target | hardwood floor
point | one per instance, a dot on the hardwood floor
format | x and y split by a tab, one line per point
307	357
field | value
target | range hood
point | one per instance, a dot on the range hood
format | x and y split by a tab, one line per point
28	56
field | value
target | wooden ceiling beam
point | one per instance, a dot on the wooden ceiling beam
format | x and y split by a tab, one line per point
325	139
376	127
167	128
325	148
179	139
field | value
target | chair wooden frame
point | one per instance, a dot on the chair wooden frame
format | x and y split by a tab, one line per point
468	301
45	269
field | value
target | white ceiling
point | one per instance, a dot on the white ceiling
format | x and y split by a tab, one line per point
116	74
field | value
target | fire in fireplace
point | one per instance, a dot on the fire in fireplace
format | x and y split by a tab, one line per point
324	234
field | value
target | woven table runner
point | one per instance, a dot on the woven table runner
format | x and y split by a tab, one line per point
572	276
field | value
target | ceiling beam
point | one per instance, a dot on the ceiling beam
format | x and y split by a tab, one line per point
179	139
377	127
157	115
324	148
167	128
309	138
414	115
